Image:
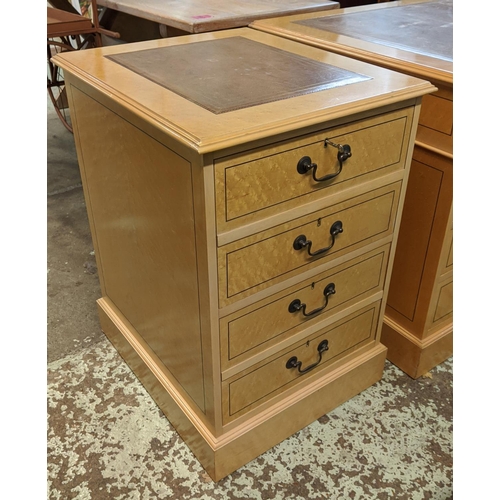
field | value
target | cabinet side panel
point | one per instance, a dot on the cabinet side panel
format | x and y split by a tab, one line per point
422	239
139	197
413	243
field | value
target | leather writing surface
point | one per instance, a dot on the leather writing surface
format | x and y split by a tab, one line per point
232	73
425	28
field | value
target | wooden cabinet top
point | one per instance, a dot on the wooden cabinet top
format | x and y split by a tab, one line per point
199	16
221	89
413	36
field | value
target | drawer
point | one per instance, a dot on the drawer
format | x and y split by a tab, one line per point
444	304
259	261
449	260
254	329
437	113
266	181
270	378
435	125
446	264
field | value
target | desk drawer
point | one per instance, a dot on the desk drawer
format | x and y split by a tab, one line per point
254	329
437	113
259	261
435	125
271	377
266	181
443	309
446	261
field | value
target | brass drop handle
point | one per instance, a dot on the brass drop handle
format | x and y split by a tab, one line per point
293	362
305	163
297	305
301	241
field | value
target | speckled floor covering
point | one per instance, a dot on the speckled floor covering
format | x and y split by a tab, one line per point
107	439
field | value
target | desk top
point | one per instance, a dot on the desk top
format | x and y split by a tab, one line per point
414	36
216	90
234	73
199	16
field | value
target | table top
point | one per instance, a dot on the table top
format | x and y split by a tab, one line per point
232	89
199	16
61	23
414	36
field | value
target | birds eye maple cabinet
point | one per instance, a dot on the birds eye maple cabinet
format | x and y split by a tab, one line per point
414	37
244	194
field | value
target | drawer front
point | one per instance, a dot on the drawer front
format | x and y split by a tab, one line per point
446	264
444	305
263	182
262	260
437	113
250	331
449	260
271	377
435	125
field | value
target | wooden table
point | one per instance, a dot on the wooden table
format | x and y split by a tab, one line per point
61	24
241	280
199	16
414	37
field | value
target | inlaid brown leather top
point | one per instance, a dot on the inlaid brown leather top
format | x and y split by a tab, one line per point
425	28
232	73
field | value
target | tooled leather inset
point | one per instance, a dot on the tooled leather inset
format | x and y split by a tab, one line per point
425	28
232	73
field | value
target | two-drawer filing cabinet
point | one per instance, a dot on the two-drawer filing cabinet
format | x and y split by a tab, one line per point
414	37
244	195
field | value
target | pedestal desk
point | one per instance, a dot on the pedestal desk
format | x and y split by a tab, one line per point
244	194
200	16
414	37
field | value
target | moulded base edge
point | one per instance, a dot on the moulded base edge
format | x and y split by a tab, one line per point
226	453
414	356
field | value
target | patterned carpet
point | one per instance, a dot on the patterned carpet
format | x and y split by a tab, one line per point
107	439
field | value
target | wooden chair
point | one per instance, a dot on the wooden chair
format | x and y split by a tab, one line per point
69	30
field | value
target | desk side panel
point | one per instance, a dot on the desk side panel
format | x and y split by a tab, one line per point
424	228
139	197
